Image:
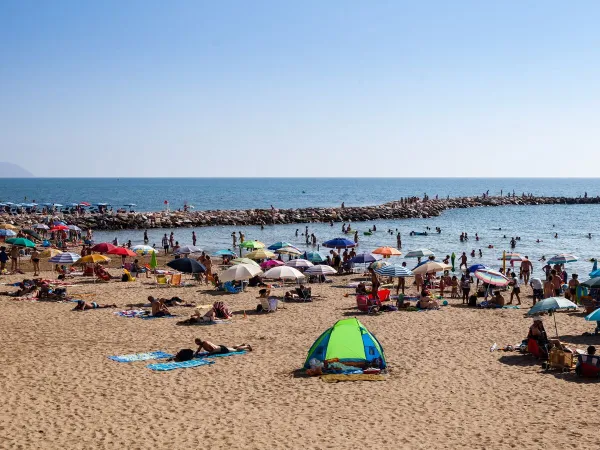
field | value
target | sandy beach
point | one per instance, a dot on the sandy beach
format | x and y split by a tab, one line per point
445	388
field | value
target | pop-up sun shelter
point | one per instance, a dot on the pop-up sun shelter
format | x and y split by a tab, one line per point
348	340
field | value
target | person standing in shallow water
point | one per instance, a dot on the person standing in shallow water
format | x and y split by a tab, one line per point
194	238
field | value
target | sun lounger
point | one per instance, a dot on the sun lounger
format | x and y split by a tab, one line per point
269	304
175	280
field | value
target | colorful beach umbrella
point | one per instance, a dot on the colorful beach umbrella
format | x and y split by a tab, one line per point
283	273
59	228
512	257
594	316
492	277
252	244
21	242
315	257
379	264
280	244
475	267
339	243
550	305
143	249
419	253
562	258
244	261
387	251
395	271
261	253
65	258
270	263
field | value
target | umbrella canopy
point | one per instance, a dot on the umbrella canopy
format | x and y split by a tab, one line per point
552	303
187	249
364	258
21	242
492	277
394	270
252	244
103	247
563	258
339	243
31	233
65	258
288	251
8	226
378	264
270	263
261	253
315	257
510	257
73	228
278	245
121	251
431	266
595	273
592	283
50	252
4	232
130	204
59	228
224	253
419	253
284	272
93	258
387	251
41	226
594	316
240	272
244	261
299	263
475	267
186	265
85	204
143	249
320	270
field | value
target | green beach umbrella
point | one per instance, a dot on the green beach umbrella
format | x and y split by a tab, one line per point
252	244
453	258
21	242
153	262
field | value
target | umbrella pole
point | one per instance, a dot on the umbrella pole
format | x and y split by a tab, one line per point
555	327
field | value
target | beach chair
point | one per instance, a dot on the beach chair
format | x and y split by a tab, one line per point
533	347
367	305
175	280
269	304
229	287
161	280
382	294
588	366
127	275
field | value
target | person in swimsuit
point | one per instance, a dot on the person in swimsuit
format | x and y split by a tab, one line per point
573	283
35	259
526	267
159	308
83	305
213	349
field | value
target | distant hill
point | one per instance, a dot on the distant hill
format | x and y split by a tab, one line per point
10	170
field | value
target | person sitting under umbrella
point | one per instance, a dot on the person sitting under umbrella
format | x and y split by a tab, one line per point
497	301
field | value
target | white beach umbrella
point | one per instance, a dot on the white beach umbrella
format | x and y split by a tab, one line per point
284	272
299	263
431	266
240	272
321	269
419	253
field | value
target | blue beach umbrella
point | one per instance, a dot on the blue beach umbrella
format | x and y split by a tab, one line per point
224	253
65	258
280	244
363	258
7	233
314	257
394	270
339	243
475	267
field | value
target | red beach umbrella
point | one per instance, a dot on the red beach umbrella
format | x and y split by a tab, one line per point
122	251
59	228
103	247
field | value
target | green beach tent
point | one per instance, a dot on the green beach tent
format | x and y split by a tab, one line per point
347	340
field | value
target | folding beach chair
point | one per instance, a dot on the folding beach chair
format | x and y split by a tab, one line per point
175	279
588	366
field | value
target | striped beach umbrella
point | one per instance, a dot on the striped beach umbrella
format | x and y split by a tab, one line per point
431	266
492	277
419	253
379	264
65	258
320	270
511	257
562	258
395	271
299	263
280	244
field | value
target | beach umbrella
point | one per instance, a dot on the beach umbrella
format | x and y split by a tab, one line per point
143	249
284	273
453	258
378	264
31	233
188	249
595	273
594	316
131	205
41	226
153	262
270	263
224	253
278	245
186	265
562	258
339	243
85	204
299	263
550	305
320	270
7	233
288	251
395	271
8	226
419	253
252	244
239	272
50	252
512	257
431	266
593	282
21	242
103	247
261	253
73	228
492	277
315	257
59	228
65	258
365	258
475	267
387	251
121	251
244	261
93	258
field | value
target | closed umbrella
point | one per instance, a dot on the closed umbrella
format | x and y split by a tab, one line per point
186	265
65	258
240	272
284	273
261	253
299	263
153	262
244	261
453	259
387	251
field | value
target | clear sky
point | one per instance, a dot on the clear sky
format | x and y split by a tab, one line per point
307	88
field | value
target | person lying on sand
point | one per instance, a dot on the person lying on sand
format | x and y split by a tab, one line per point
219	311
159	308
213	349
83	305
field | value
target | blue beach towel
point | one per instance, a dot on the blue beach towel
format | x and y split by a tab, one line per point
140	357
163	367
170	316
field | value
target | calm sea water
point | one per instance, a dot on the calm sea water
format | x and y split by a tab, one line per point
572	223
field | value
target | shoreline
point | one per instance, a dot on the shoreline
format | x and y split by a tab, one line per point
398	209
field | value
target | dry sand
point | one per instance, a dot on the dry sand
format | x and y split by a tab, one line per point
445	389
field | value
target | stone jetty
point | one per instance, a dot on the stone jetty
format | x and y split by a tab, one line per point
401	209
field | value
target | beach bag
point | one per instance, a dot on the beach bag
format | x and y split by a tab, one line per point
185	354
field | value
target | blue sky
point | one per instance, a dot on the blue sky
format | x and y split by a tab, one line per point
312	88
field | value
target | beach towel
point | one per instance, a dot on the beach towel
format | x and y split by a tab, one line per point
511	307
210	322
218	355
131	313
163	367
140	357
355	377
148	317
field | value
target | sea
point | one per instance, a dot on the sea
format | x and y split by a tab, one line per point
494	225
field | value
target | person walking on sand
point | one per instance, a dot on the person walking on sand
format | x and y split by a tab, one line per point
516	291
3	259
465	285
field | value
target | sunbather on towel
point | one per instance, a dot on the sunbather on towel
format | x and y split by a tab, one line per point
83	305
219	311
213	349
497	301
159	308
